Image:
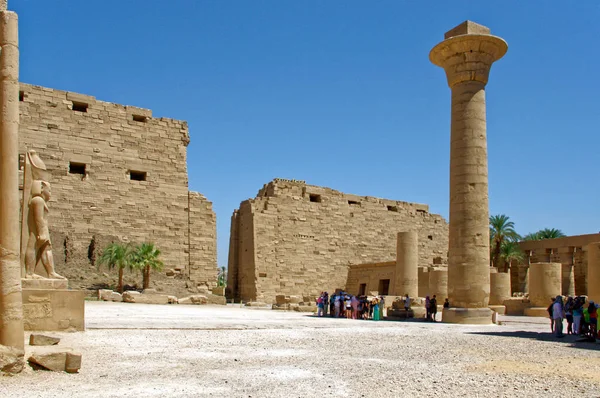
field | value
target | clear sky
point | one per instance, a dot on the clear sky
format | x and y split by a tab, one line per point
341	94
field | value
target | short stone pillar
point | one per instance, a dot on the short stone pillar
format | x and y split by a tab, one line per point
467	55
544	285
499	287
438	283
593	272
423	273
568	270
407	264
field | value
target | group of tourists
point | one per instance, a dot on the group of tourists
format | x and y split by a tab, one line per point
344	305
581	319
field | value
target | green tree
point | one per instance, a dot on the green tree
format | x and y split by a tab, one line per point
146	258
546	233
222	277
119	256
501	230
510	251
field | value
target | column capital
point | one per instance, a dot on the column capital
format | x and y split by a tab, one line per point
467	53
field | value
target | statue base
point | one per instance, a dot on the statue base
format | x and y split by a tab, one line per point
53	309
45	284
468	316
541	312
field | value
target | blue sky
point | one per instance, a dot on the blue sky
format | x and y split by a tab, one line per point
341	94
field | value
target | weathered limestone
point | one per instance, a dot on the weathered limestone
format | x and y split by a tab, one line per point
40	339
467	55
11	360
593	271
56	361
566	256
544	285
423	273
294	238
438	283
499	287
407	264
11	309
53	310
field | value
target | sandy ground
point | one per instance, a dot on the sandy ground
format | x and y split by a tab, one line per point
211	351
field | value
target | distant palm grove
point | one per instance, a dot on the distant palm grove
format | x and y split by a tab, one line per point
504	247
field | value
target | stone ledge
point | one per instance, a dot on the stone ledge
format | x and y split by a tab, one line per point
45	284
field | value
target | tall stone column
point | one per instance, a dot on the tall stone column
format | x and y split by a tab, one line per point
593	271
568	270
11	305
467	54
407	264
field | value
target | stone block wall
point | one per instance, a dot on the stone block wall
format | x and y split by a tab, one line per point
117	174
299	239
560	250
371	276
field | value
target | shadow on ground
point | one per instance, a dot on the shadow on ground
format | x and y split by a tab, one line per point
573	341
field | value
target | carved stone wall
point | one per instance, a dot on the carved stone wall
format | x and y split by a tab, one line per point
118	174
299	239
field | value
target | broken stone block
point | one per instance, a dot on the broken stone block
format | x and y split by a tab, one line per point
170	272
295	299
40	339
73	362
130	296
50	361
282	299
214	299
11	360
195	299
172	299
114	296
218	291
104	294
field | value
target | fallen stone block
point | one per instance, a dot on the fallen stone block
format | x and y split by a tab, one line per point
282	299
40	339
56	361
170	272
218	291
11	360
172	299
197	299
73	362
104	294
50	361
214	299
130	296
117	297
295	299
305	308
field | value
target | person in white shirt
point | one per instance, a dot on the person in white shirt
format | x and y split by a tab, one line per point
558	314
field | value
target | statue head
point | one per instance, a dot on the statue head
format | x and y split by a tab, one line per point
38	167
41	188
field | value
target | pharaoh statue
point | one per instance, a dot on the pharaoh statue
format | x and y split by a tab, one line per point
35	235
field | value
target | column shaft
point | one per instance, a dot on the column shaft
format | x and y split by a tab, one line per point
11	306
468	256
407	264
593	272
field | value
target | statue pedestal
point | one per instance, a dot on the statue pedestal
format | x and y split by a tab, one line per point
49	306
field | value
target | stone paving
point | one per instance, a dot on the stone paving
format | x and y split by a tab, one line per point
216	351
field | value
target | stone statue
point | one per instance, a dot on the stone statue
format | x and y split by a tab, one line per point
35	235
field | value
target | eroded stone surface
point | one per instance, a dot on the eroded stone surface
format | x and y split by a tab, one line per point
40	339
11	360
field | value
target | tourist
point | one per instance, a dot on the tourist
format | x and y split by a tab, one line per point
549	309
569	314
381	306
375	306
325	303
320	305
593	311
427	315
332	306
577	314
433	308
558	313
337	306
348	307
406	303
446	303
354	303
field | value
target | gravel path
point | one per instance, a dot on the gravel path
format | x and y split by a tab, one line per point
200	351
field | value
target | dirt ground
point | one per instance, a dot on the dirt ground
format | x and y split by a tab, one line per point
227	351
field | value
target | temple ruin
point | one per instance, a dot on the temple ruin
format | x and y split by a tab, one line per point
299	239
118	174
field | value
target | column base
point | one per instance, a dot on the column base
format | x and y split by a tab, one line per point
499	309
541	312
469	316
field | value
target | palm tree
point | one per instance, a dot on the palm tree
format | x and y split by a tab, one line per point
501	230
510	251
146	259
117	255
222	278
546	233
